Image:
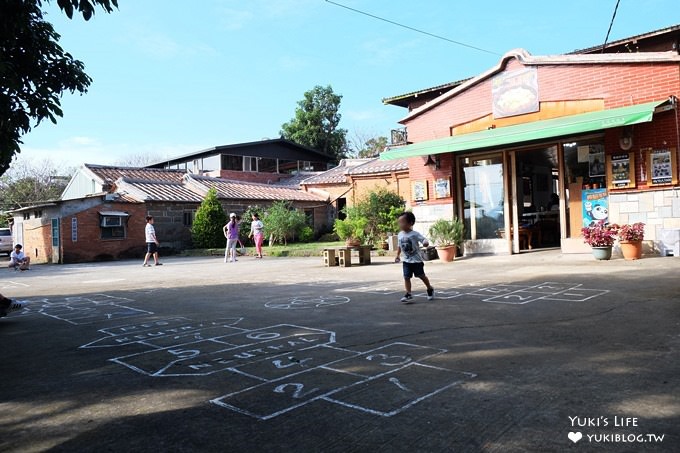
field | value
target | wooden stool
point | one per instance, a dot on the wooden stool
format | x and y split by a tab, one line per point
364	255
345	257
329	258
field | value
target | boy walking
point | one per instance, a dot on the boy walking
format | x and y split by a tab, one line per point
409	247
151	243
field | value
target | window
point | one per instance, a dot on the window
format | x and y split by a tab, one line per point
38	213
309	213
288	166
27	215
265	165
113	224
113	232
232	162
249	163
189	218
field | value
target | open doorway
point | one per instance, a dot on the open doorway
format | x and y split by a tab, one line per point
537	203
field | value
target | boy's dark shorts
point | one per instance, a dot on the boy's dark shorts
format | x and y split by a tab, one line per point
151	247
411	269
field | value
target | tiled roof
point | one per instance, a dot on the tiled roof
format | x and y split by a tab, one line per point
336	175
110	174
618	42
227	189
377	166
149	190
296	180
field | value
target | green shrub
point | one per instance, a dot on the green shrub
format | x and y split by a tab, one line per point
351	228
329	237
206	231
306	234
284	222
380	208
447	232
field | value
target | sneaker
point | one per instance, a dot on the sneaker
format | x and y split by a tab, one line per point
430	294
146	265
407	299
158	264
16	306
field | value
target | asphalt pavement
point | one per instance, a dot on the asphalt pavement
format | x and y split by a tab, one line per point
538	352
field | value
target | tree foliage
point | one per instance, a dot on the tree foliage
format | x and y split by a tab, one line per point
316	123
29	182
363	145
284	222
206	230
379	211
34	69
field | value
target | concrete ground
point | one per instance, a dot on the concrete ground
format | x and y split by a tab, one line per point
537	352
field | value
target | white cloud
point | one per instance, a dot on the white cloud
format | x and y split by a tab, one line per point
362	115
291	63
234	19
161	46
75	151
381	52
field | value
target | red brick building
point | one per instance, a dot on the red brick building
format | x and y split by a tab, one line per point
538	146
109	224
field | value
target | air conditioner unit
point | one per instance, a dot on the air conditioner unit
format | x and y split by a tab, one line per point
111	221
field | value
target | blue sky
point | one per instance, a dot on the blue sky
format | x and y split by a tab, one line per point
171	77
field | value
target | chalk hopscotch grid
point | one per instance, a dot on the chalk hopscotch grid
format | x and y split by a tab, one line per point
512	294
80	310
381	362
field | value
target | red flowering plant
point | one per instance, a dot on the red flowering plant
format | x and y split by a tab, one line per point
632	233
600	235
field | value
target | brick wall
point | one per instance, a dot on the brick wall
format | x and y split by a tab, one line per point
263	178
169	224
419	171
89	245
618	84
37	239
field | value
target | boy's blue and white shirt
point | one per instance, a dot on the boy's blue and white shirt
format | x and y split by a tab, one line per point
409	243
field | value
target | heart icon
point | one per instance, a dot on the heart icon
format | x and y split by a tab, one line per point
574	436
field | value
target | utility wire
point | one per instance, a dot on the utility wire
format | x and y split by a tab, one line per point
610	26
411	28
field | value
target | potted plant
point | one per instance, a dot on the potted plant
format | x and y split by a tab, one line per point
630	239
351	230
447	235
601	238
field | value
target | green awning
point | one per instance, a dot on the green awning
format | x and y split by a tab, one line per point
529	132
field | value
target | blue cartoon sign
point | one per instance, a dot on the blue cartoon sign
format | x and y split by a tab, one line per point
595	207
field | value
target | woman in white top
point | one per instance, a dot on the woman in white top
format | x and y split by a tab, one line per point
257	233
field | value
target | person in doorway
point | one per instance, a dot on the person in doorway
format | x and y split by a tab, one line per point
409	247
18	259
151	243
231	232
257	233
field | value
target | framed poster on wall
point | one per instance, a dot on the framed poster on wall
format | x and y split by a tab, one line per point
442	188
419	190
662	167
621	171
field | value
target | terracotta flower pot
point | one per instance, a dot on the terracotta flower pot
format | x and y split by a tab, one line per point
352	242
447	253
602	253
631	250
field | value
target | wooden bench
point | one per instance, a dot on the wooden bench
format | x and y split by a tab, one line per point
342	256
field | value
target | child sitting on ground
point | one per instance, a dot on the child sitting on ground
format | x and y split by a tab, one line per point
18	259
409	246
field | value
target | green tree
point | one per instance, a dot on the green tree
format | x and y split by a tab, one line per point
380	208
371	147
316	123
284	222
34	70
29	182
209	221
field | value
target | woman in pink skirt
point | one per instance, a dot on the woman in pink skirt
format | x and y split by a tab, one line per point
257	233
